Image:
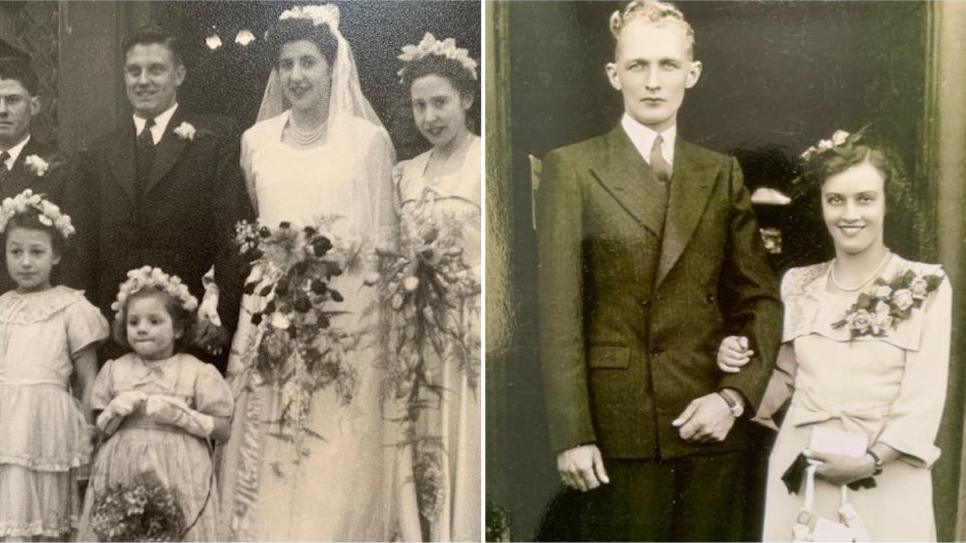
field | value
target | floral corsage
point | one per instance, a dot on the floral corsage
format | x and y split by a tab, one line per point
889	304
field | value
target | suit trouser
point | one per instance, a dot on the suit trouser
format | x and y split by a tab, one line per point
694	498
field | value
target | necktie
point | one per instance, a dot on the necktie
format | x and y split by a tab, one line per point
145	157
4	156
658	164
144	138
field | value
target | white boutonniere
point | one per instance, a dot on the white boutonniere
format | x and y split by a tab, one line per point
186	131
36	165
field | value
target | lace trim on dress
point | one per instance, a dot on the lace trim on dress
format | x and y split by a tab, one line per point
39	528
17	308
804	289
249	467
73	461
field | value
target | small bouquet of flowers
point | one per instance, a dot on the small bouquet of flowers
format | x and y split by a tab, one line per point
142	510
301	351
889	303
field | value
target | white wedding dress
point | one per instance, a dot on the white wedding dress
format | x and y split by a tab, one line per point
341	487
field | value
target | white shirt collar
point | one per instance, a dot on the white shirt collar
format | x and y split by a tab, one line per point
160	123
643	138
15	152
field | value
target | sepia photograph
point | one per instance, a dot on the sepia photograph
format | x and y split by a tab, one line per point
241	292
724	262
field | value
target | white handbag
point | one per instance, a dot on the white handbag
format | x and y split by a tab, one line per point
810	527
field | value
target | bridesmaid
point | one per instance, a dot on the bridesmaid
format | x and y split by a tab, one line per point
445	181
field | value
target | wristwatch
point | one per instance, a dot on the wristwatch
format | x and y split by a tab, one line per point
876	462
737	407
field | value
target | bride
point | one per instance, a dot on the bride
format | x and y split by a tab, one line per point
863	363
327	155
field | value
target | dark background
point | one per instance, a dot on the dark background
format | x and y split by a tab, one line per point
778	76
231	79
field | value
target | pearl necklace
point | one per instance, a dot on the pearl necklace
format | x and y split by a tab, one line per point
872	275
306	137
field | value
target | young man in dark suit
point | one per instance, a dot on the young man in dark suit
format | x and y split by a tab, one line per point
166	190
649	255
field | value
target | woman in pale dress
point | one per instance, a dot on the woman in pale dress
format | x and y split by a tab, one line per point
444	184
327	155
864	361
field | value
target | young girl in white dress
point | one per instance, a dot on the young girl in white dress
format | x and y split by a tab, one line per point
157	406
444	183
864	361
48	341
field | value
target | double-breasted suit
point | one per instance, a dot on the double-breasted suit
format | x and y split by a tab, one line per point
638	285
181	218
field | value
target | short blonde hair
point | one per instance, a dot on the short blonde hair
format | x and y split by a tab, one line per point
653	11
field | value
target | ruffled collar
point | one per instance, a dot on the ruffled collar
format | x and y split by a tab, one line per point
34	307
164	373
811	309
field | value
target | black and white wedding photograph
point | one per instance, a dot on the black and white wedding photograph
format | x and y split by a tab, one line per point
724	262
242	275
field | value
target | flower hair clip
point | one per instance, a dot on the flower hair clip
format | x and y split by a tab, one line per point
431	46
47	212
148	277
839	138
319	14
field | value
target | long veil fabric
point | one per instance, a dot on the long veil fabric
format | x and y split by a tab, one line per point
347	107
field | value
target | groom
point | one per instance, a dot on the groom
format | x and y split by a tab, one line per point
165	190
649	255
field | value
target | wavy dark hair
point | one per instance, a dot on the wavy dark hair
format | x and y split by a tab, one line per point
181	319
297	29
18	69
447	68
859	149
155	34
903	227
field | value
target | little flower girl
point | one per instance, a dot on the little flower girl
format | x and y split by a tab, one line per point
48	339
158	405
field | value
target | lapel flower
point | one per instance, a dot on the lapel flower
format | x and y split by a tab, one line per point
36	165
185	131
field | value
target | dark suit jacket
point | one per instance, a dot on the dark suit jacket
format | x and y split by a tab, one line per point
185	219
56	185
632	309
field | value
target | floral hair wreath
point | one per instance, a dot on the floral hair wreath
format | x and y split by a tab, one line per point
148	277
327	14
431	46
47	212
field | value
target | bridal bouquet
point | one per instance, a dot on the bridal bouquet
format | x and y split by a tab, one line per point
142	510
301	351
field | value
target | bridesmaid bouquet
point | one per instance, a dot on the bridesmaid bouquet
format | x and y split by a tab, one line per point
142	510
428	291
301	351
428	287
